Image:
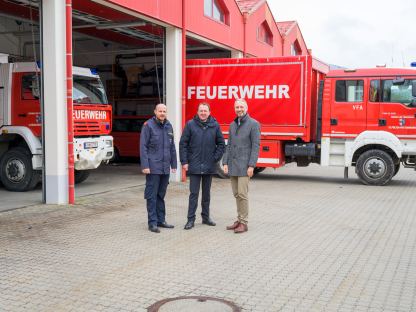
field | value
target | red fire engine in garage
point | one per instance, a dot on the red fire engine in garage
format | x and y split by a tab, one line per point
364	118
20	125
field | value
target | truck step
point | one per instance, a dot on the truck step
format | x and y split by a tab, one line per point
337	160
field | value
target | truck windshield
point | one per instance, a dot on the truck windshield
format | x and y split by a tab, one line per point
88	90
398	93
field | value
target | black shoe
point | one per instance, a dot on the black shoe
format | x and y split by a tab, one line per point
209	222
165	225
154	229
189	225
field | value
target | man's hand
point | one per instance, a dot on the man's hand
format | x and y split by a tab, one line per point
225	167
250	172
185	167
173	170
146	171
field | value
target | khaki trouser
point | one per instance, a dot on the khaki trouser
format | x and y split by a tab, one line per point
240	191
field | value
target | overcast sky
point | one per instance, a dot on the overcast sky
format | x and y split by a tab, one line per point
355	33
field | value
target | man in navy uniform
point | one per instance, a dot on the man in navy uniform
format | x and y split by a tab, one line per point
158	158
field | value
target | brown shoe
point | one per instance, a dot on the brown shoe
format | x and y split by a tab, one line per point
241	228
234	226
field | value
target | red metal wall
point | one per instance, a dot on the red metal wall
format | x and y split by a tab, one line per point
168	11
230	35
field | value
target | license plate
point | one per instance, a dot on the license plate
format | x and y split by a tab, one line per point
88	145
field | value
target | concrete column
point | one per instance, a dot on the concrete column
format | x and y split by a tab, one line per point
54	95
236	54
174	86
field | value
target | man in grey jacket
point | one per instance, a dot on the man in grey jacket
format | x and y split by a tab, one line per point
240	160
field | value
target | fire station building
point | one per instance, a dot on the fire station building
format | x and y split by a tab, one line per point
138	48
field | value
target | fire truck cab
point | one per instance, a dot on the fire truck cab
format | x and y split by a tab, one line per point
369	121
21	125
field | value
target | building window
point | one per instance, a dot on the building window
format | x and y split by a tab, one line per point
216	10
295	49
349	91
264	33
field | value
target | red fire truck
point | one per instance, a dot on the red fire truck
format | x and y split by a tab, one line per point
20	125
365	118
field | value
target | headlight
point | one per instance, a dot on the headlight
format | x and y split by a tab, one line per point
108	143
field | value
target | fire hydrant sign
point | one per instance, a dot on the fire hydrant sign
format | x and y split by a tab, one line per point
274	91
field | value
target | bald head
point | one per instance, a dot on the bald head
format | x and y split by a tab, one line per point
160	111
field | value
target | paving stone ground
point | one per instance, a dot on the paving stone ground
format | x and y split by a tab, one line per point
316	242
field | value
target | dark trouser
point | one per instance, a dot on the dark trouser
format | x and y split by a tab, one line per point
194	185
155	191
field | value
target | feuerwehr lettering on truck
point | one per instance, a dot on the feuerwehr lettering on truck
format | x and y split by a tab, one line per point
82	114
258	92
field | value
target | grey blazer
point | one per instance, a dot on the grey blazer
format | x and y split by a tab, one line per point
243	146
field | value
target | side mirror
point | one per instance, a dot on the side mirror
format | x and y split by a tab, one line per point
398	81
35	86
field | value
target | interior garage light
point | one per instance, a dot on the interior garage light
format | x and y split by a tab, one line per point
120	25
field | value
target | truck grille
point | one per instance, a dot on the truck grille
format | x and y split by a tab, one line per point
86	128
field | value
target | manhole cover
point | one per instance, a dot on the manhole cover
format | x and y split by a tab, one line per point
193	304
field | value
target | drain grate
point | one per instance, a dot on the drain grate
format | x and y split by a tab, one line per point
193	304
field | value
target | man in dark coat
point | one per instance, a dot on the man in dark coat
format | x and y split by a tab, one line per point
200	148
240	160
158	158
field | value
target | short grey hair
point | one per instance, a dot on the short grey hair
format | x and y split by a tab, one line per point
160	104
241	101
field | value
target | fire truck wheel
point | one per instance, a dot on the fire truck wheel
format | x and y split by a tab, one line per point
81	176
375	167
17	174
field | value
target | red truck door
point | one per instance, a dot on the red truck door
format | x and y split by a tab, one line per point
348	112
397	114
25	102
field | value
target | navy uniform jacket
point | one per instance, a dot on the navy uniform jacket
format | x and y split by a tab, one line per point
201	145
157	147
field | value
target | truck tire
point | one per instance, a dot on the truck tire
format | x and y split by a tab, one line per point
375	167
81	175
16	171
